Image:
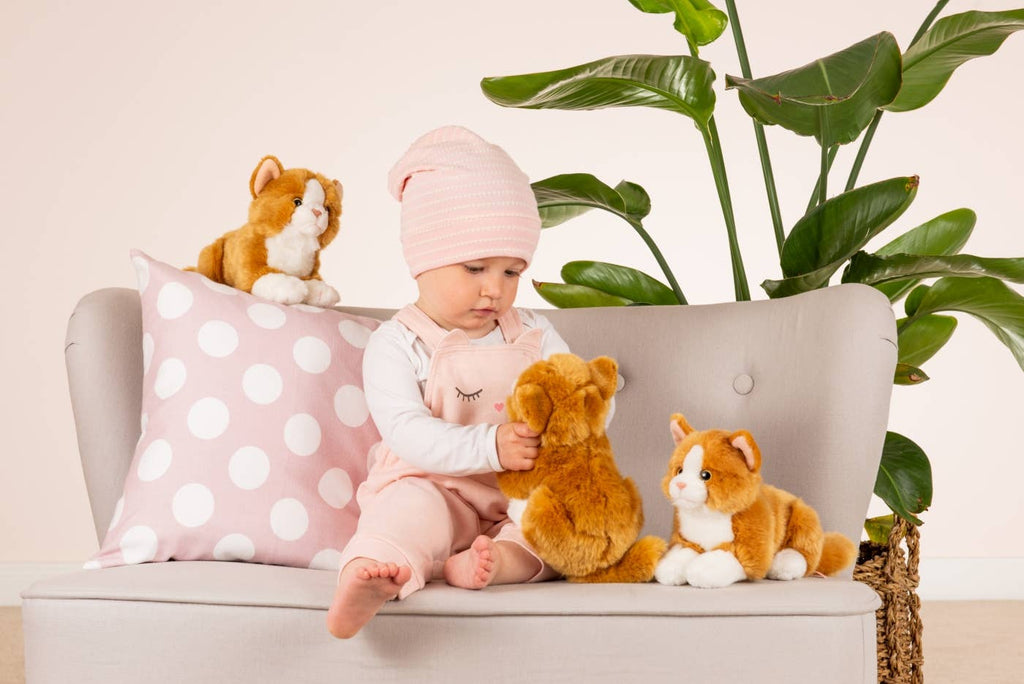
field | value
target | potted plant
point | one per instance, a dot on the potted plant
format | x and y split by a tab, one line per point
839	99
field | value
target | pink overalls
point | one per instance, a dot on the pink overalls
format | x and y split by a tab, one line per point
411	517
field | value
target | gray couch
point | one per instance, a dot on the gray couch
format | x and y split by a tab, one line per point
809	376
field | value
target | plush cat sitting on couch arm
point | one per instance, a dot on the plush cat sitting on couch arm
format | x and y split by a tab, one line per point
729	526
276	254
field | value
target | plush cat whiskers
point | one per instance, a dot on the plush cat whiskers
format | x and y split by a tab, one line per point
276	254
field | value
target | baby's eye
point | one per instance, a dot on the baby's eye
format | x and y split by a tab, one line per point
297	202
512	274
473	269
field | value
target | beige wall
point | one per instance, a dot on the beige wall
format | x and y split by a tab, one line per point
135	124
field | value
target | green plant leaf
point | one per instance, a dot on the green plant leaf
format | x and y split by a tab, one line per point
621	281
636	199
944	235
951	41
922	337
880	528
871	269
833	232
833	98
677	83
989	300
565	197
566	296
909	375
698	20
788	287
904	479
914	299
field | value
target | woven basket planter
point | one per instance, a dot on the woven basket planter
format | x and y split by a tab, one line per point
893	574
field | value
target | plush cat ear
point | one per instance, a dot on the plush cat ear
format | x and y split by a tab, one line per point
605	373
533	406
337	186
679	427
743	441
267	170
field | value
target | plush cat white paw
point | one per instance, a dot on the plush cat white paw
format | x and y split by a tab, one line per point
516	508
321	294
714	569
281	288
788	564
671	569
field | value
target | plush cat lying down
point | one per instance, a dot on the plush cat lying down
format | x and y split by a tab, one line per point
730	526
276	254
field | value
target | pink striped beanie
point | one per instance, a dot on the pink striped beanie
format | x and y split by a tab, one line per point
462	199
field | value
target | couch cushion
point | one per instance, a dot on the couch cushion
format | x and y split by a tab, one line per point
238	584
255	431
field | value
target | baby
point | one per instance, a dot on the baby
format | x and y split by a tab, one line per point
436	377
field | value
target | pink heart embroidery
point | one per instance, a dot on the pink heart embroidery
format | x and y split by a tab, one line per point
499	406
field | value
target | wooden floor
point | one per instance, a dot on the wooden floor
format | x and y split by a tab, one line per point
966	642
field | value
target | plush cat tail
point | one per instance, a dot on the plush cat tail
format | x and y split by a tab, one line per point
211	261
636	565
838	553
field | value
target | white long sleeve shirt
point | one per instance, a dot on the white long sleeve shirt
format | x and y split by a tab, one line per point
396	365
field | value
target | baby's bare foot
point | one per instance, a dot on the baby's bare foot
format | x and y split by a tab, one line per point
474	568
363	587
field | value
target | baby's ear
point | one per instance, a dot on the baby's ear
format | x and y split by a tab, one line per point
267	170
743	441
532	406
679	427
605	373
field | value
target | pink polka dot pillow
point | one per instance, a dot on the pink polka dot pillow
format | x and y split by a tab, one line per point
255	430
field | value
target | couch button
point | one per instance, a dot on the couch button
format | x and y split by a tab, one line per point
620	382
743	384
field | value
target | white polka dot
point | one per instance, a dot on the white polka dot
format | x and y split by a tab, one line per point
302	434
266	316
312	354
208	418
147	352
138	545
262	384
249	467
143	424
173	301
288	519
350	406
327	559
218	339
219	288
141	272
308	308
155	460
354	333
92	565
192	505
170	378
335	488
118	510
234	547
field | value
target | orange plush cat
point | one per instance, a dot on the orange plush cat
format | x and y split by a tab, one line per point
729	525
276	255
575	509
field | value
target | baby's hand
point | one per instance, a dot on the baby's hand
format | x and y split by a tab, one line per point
517	446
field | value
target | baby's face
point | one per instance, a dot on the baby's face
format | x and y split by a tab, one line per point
471	295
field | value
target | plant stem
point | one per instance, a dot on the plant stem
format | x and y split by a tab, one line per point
762	143
866	142
713	145
813	202
660	258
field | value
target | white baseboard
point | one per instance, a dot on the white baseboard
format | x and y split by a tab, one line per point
17	576
942	579
971	579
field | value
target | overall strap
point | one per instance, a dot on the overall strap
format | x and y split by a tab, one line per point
412	317
511	325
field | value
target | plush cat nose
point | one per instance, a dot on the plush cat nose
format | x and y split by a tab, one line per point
317	212
680	485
